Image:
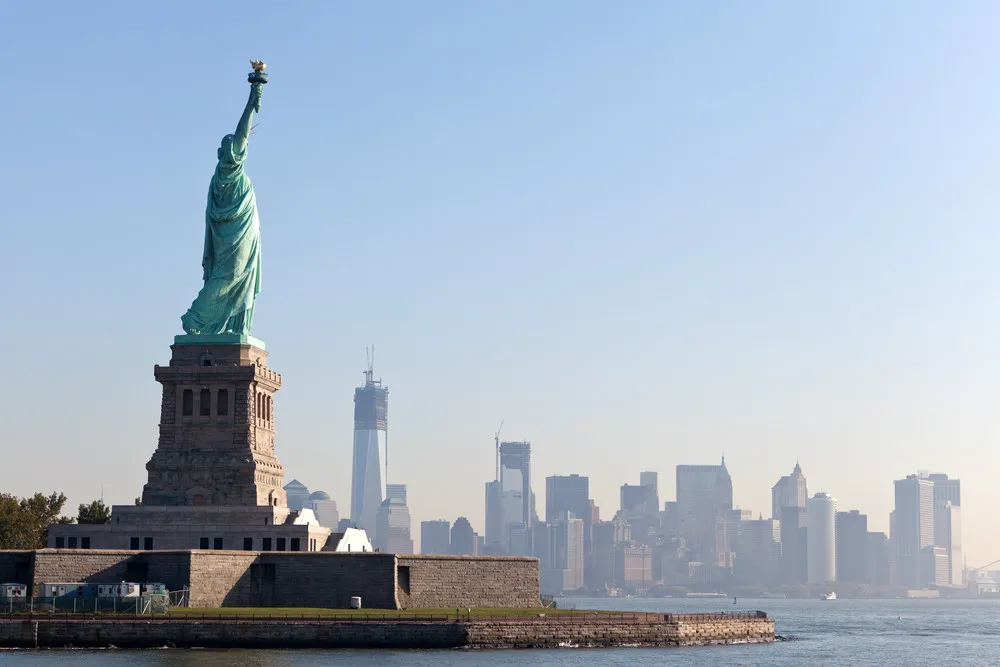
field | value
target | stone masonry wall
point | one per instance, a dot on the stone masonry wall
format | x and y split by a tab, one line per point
450	582
222	577
106	566
296	579
606	631
72	565
299	579
538	632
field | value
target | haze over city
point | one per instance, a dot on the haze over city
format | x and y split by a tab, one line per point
640	235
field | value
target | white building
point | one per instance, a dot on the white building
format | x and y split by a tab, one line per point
821	539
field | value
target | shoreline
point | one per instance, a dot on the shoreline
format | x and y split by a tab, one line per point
649	631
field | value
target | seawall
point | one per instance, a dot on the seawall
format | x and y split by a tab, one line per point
649	630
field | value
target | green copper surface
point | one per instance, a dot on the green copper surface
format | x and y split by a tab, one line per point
231	260
218	339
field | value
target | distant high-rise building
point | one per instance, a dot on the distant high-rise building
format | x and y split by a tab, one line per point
371	404
934	567
297	494
727	529
877	553
946	490
559	548
634	565
948	523
639	500
912	528
852	547
758	552
396	492
703	491
463	538
789	491
494	520
392	524
435	537
569	493
948	535
607	535
566	493
515	496
821	539
651	479
325	509
794	524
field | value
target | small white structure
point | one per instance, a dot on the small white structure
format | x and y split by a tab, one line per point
13	590
355	602
352	540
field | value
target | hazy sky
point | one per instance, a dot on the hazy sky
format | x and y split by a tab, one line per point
642	233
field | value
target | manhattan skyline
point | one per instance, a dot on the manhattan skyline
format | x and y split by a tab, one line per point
643	236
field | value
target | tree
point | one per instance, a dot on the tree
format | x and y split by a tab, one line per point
24	521
95	512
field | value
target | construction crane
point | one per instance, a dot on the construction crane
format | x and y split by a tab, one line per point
496	440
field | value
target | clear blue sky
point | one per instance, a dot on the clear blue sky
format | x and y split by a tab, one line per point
643	233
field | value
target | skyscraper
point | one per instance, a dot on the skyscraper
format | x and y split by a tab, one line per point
821	539
794	522
703	491
435	537
946	490
650	478
325	509
371	402
515	496
566	493
758	551
562	554
569	494
494	520
852	547
392	524
297	494
789	491
463	539
638	500
948	535
948	523
912	528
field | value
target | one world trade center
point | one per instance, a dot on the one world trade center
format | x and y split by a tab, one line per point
370	441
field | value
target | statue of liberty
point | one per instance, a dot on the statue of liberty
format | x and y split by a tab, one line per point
231	260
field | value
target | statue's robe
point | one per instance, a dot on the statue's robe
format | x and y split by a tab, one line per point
231	260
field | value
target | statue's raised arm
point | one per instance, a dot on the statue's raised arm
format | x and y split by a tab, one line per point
231	259
246	120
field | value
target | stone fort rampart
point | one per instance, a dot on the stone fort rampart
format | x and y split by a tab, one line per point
292	579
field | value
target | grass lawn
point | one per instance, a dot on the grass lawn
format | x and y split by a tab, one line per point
300	612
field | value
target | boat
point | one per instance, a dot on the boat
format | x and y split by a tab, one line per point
830	596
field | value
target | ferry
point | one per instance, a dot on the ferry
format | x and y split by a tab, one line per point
830	596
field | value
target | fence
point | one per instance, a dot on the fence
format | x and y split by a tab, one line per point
145	605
